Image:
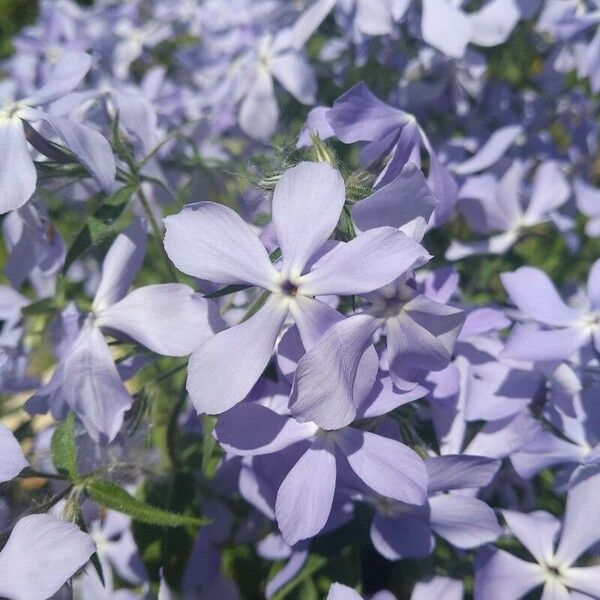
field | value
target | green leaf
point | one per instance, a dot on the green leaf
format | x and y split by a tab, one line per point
208	445
101	224
40	307
64	448
112	496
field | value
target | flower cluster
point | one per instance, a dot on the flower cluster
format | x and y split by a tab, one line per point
301	300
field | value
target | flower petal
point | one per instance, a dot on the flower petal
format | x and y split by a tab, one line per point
493	24
41	554
305	497
368	262
537	531
223	370
295	74
453	472
445	27
529	343
259	111
502	576
90	147
490	152
12	461
210	241
438	587
121	264
404	536
463	521
359	116
17	172
406	203
323	389
387	466
67	74
250	429
579	531
168	318
307	203
92	386
533	292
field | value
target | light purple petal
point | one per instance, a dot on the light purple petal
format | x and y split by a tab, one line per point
92	386
537	531
374	18
12	461
121	264
295	74
406	203
583	579
495	244
593	285
313	318
358	115
18	176
323	390
579	530
490	152
65	77
422	337
452	472
223	370
259	111
307	203
403	536
168	318
41	554
305	497
310	20
532	291
388	467
550	191
91	149
445	27
528	343
463	521
368	262
493	24
337	591
438	587
210	241
250	429
502	576
316	122
290	570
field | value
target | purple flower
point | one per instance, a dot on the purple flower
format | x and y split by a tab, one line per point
358	115
168	319
17	172
401	531
210	241
447	28
567	329
496	205
500	575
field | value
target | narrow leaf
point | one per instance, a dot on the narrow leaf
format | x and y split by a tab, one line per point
101	224
64	448
40	307
112	496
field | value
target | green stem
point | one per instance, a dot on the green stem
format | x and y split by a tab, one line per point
157	232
